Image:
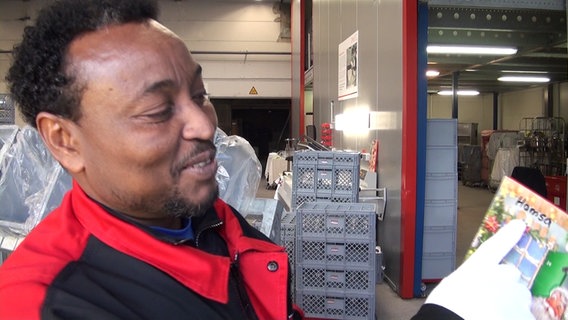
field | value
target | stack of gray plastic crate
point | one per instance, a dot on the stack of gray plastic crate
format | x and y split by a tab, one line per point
335	260
288	241
325	176
319	176
440	209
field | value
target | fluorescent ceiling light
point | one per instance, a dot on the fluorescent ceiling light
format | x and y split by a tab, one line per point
471	50
523	79
524	71
432	73
459	92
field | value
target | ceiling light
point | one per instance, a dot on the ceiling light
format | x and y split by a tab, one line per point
459	92
523	79
471	50
524	71
432	73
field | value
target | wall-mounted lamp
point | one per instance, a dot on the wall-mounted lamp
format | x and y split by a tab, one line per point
361	121
470	50
459	92
354	122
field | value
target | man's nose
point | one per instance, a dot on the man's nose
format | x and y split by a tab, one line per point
197	123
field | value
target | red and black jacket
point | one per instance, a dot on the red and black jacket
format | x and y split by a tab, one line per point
83	261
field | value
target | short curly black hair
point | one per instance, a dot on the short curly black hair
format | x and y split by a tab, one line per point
37	78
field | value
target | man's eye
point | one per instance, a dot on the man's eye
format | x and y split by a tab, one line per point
200	98
162	115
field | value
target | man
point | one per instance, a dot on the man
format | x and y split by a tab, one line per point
120	103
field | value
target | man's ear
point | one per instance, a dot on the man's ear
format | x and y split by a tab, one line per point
60	135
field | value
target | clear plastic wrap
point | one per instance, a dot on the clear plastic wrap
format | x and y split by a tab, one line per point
7	136
506	160
239	171
470	158
265	214
32	183
501	140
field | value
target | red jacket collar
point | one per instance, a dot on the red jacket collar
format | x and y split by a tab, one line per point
204	273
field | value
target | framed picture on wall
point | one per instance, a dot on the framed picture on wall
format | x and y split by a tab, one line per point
348	75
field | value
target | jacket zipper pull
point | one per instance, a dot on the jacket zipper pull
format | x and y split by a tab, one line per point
240	287
236	258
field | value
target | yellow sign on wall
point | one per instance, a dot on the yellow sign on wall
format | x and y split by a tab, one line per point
253	90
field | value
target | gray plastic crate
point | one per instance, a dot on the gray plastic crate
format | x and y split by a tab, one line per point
288	241
441	159
328	304
327	157
7	137
439	239
299	198
354	280
441	187
7	109
441	132
439	213
329	176
351	253
326	179
436	266
337	221
288	234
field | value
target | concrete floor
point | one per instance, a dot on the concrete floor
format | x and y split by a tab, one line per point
472	204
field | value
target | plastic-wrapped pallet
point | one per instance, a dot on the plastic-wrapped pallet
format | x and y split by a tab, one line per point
32	183
336	260
471	163
238	171
505	161
265	214
325	176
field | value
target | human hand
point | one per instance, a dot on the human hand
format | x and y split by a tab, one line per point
481	288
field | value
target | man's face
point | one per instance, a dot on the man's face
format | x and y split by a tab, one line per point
145	133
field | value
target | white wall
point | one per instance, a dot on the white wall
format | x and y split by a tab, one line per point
478	109
233	28
512	107
515	106
231	33
380	85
